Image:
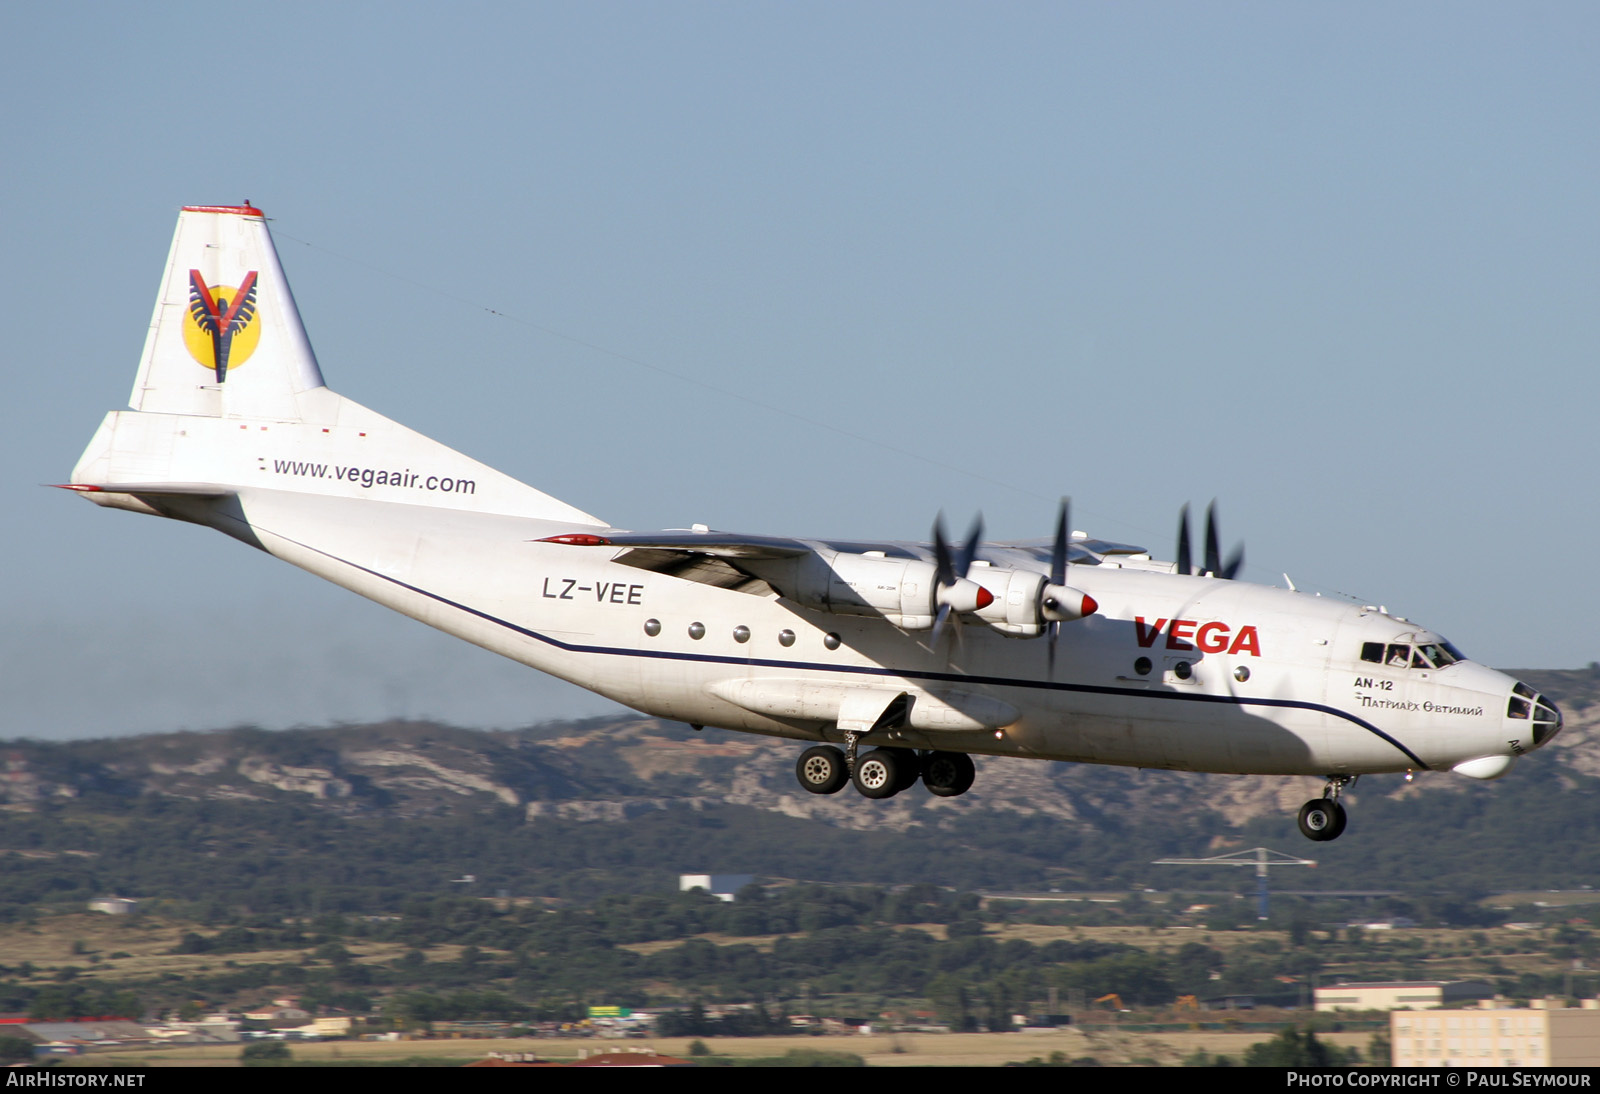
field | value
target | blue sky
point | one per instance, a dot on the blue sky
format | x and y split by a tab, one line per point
819	269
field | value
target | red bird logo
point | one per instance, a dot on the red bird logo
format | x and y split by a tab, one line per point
221	318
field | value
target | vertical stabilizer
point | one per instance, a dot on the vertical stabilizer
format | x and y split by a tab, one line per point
226	339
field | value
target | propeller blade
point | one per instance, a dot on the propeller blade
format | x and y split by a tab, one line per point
1058	552
943	570
969	550
1058	576
1213	551
1184	562
955	592
970	594
1235	563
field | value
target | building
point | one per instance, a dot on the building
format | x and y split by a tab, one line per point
1402	995
282	1012
335	1026
113	905
721	886
1546	1034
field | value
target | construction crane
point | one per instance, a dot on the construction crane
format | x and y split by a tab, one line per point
1259	857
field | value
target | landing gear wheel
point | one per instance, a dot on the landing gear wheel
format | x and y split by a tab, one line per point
878	773
910	764
1338	823
821	770
1322	819
947	774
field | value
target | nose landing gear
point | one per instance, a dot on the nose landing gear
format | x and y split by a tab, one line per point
1323	819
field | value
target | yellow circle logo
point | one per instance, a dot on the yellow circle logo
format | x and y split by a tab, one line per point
220	330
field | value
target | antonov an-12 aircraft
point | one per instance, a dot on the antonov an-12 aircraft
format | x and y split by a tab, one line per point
1066	648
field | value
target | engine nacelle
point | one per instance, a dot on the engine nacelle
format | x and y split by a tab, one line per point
905	591
1025	602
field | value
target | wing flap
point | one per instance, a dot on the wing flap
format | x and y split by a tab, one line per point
705	569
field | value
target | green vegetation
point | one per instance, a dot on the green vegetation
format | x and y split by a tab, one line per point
849	953
266	1052
14	1050
1057	1059
411	911
795	1057
1296	1048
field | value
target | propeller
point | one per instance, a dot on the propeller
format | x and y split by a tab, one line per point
1214	564
954	592
1058	576
1057	602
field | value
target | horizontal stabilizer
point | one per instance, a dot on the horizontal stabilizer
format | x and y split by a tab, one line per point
174	489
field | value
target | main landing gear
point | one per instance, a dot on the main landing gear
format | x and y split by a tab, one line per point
1323	818
883	772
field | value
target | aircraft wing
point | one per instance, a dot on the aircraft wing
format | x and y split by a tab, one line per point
710	558
710	544
1079	550
745	563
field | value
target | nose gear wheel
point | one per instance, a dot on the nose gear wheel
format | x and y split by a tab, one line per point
1323	819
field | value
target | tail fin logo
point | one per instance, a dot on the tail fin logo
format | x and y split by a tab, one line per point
221	331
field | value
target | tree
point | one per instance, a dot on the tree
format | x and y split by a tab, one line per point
265	1052
1292	1048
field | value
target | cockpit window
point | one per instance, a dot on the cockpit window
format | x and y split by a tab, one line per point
1437	655
1399	655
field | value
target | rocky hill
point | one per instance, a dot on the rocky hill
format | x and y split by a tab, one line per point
611	770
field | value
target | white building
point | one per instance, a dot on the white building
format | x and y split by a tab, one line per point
721	886
1546	1034
113	905
1402	995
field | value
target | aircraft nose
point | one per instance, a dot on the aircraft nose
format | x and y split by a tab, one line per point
1525	704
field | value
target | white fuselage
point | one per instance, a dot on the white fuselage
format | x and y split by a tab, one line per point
1273	683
